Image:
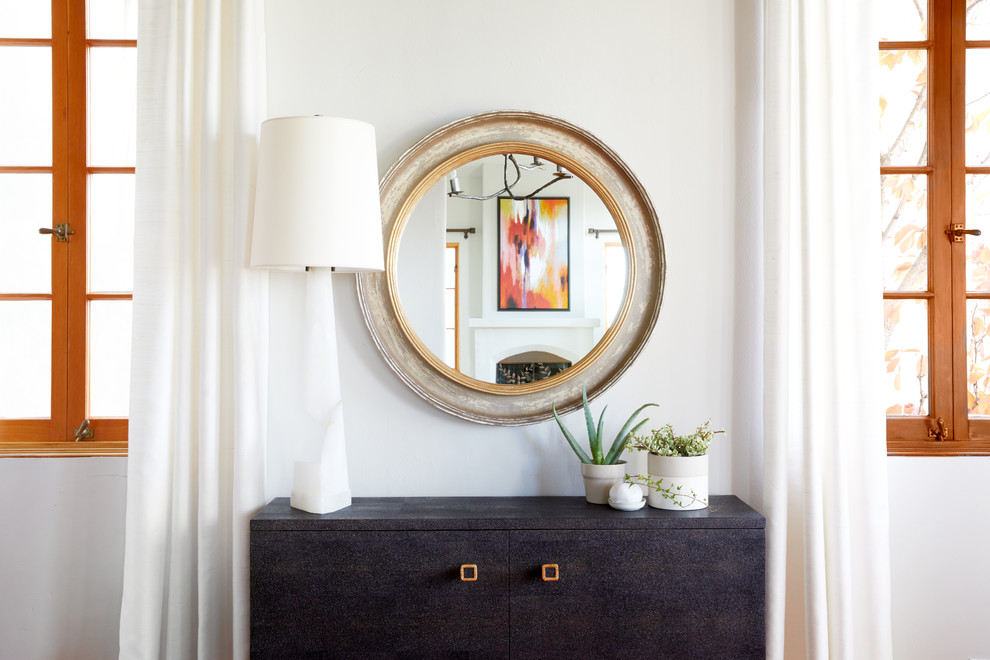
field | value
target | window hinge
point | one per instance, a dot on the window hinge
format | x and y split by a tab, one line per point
84	432
940	431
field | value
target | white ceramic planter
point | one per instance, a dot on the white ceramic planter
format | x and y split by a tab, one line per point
598	480
683	482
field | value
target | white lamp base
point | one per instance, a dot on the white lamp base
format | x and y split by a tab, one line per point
316	489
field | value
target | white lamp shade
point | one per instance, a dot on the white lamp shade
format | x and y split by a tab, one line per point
316	202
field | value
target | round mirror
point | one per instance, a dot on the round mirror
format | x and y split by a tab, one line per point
510	269
524	261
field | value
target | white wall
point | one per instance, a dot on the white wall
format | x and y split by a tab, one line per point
940	557
61	556
654	80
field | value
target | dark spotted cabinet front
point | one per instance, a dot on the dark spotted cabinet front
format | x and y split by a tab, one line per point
392	578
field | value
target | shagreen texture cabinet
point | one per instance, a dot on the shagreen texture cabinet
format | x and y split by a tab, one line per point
507	577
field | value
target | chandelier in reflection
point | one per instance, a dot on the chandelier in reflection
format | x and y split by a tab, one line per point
559	175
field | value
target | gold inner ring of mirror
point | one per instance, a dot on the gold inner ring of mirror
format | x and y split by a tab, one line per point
437	174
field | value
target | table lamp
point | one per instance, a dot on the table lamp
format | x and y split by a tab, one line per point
317	210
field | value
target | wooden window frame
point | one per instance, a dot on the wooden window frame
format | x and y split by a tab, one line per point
947	297
70	296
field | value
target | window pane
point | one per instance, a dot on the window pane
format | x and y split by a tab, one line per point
903	107
111	232
978	107
906	351
904	223
978	247
109	357
25	358
977	20
113	19
978	357
903	20
26	109
112	106
27	19
25	206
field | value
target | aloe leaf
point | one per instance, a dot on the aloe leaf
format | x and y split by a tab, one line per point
598	434
618	446
594	441
620	439
570	438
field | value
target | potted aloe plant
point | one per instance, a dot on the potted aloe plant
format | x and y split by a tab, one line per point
600	468
677	466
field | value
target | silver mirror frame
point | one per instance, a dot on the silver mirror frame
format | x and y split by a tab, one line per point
581	153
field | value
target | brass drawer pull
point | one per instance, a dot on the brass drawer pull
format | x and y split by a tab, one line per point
550	572
469	572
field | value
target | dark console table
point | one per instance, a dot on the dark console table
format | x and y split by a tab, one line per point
500	577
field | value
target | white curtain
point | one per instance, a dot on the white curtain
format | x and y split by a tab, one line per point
199	359
825	493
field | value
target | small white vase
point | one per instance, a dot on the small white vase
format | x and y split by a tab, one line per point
683	482
598	480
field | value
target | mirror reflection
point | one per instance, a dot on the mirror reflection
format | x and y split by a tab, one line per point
510	269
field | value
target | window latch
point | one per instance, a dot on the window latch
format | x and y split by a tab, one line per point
956	233
940	431
84	432
61	232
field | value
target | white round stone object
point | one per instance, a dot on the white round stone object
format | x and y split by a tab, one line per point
625	493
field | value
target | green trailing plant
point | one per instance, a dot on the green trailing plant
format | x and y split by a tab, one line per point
598	455
668	492
664	442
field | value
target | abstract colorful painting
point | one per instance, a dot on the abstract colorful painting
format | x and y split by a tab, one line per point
533	253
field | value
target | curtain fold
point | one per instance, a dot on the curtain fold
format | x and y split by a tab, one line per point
198	418
825	493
